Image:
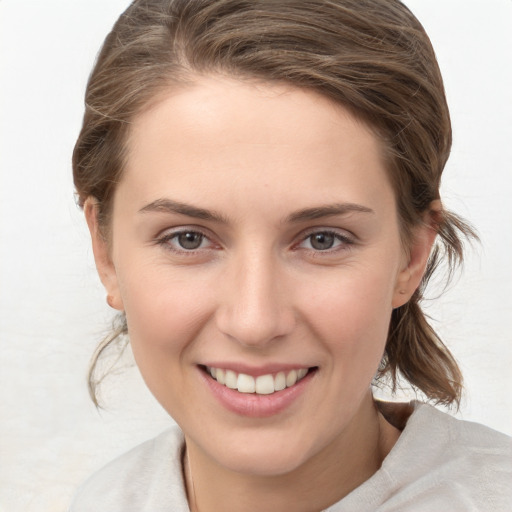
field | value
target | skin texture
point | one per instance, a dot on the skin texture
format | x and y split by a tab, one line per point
256	291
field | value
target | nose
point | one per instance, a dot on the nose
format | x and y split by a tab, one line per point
255	308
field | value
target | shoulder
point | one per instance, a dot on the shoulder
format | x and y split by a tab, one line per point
458	438
438	463
147	478
441	460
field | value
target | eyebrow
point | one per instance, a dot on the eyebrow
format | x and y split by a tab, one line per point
317	212
170	206
329	210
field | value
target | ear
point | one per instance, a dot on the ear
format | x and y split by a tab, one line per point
102	257
424	235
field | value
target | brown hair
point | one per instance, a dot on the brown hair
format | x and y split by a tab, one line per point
371	56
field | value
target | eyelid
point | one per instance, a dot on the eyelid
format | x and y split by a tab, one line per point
327	229
342	235
166	235
345	237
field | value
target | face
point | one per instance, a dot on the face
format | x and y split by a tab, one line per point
255	234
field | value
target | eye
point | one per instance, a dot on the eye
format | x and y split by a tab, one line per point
322	241
186	240
325	241
189	240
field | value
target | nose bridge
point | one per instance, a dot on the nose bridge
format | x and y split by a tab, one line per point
255	310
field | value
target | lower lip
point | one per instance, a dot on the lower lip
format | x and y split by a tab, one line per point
253	405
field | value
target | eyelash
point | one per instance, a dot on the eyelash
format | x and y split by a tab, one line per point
344	241
165	241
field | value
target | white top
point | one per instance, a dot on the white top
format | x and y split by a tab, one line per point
438	463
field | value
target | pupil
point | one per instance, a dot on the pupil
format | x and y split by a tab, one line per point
190	240
322	241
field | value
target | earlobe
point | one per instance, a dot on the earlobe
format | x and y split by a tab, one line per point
424	235
102	257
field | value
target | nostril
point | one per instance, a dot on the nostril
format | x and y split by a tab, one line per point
255	316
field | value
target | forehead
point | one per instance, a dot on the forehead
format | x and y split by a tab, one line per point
224	137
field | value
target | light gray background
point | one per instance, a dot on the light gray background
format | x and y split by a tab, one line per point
52	309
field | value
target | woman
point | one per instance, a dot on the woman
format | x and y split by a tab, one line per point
261	183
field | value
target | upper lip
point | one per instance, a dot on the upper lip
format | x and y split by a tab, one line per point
256	371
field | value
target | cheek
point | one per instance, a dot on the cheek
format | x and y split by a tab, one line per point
351	316
165	313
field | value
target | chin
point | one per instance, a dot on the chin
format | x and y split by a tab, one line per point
263	463
265	453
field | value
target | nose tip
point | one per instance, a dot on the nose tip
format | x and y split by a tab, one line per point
255	326
255	309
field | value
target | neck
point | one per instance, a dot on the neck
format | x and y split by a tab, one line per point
326	478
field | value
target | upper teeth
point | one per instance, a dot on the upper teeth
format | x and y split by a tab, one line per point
262	385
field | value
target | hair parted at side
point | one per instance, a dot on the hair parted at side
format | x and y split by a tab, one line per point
371	56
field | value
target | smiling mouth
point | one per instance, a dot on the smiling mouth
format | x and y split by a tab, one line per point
262	385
